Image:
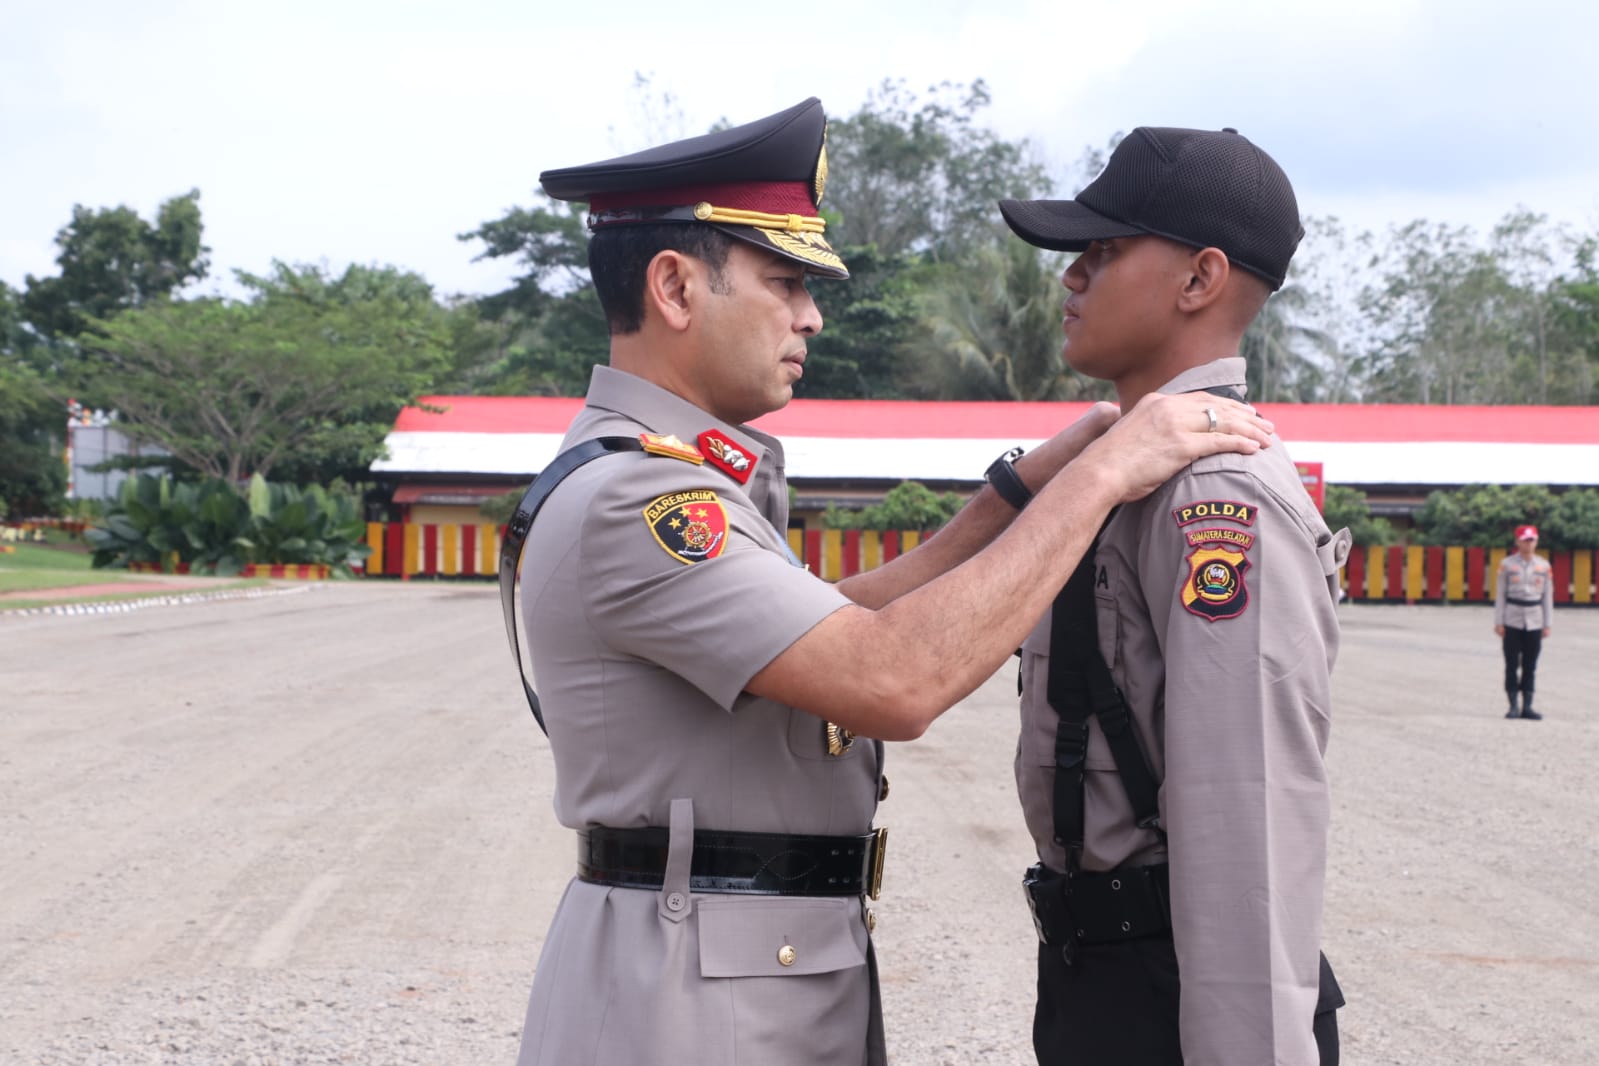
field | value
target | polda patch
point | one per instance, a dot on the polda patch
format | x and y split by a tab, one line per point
690	525
1215	511
1215	588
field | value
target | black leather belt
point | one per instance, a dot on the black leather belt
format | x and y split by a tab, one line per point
771	864
1524	603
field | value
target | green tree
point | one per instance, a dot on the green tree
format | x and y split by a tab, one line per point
303	379
994	323
1284	354
112	260
1463	321
32	476
920	175
542	335
1574	313
869	324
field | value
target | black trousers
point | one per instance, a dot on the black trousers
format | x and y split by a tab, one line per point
1521	650
1116	1005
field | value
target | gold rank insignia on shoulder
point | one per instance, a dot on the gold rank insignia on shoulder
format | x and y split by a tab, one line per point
839	740
670	446
690	525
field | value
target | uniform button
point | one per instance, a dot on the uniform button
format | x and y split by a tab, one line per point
676	901
882	789
871	920
786	955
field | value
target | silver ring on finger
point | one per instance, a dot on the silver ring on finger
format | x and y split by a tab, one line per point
1210	416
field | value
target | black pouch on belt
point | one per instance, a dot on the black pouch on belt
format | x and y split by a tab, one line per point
1099	908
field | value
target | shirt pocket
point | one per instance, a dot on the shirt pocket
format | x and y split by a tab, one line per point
744	936
809	738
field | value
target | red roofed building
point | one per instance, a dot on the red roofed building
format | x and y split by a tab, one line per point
442	463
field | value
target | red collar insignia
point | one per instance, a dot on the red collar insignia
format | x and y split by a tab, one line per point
727	456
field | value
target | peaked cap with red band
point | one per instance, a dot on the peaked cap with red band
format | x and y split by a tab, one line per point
760	182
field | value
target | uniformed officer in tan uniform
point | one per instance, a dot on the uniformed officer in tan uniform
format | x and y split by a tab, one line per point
709	701
1174	784
1524	612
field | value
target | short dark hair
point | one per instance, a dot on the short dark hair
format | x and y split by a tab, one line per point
619	256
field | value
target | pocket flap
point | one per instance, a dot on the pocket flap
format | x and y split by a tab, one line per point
746	936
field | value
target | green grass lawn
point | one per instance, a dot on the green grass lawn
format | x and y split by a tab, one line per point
31	567
44	557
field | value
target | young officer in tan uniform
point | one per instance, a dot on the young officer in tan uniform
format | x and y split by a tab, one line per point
1524	612
708	701
1174	783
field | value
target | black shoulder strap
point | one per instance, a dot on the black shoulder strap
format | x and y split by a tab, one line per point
1226	391
516	531
1081	684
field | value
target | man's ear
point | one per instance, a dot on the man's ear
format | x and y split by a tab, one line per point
666	286
1208	273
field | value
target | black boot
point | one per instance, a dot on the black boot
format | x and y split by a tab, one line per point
1514	712
1526	708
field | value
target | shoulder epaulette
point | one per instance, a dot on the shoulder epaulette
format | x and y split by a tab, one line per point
671	447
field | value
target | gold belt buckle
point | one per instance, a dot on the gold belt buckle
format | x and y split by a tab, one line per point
874	887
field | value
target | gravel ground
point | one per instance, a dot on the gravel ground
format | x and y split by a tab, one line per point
317	829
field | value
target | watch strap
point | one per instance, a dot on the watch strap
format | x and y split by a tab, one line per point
1007	482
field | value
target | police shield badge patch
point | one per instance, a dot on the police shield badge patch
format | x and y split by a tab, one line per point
1215	588
690	525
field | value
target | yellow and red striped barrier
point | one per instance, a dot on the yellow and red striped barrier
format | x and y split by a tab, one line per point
1374	573
1417	574
403	549
300	571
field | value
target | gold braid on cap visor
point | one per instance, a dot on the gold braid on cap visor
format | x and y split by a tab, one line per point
706	212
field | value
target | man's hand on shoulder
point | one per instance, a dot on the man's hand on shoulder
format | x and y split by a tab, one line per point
1164	433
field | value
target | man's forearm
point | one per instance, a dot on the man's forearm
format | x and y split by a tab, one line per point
889	673
985	516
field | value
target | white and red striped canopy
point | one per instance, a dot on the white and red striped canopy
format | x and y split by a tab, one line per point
868	440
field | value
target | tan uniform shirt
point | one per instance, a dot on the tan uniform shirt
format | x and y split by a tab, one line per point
1529	580
1215	599
640	656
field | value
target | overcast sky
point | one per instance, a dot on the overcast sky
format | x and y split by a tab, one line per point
344	131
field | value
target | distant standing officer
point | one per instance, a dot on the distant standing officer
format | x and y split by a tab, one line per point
1176	699
1524	612
708	700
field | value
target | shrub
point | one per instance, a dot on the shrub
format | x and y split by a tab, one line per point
909	505
1345	506
215	527
1485	516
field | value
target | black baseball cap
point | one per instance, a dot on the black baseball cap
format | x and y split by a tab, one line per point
1202	188
760	182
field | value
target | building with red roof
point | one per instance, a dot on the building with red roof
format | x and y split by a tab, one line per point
448	453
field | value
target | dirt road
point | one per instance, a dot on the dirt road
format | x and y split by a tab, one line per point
316	828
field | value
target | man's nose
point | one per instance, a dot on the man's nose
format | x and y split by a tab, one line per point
809	319
1075	277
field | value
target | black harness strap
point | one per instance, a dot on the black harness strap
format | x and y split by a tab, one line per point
516	531
1080	683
